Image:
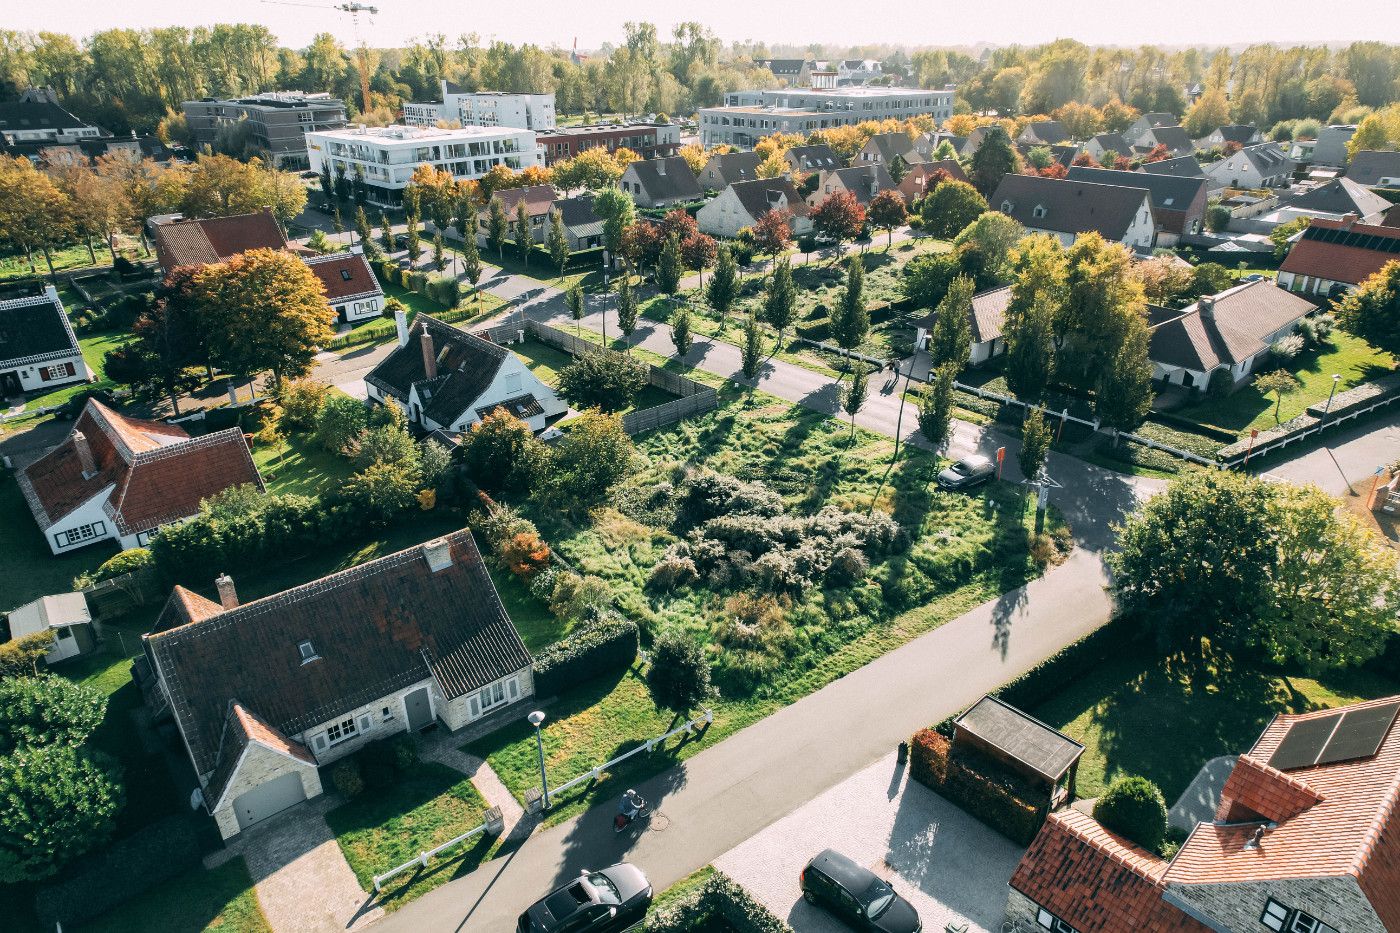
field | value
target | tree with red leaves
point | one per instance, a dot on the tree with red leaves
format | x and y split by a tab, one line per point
641	245
772	233
1231	148
699	253
1053	170
1123	163
680	223
840	217
887	211
1158	153
1085	159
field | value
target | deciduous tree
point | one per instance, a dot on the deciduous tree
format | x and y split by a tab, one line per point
724	284
522	234
595	455
1278	383
886	212
853	400
56	802
1037	293
557	241
772	233
936	407
669	266
604	381
680	331
780	299
839	217
751	355
497	229
699	252
950	207
1372	312
950	340
993	160
1036	436
850	320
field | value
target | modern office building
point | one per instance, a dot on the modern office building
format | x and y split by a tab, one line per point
387	155
748	116
483	108
279	121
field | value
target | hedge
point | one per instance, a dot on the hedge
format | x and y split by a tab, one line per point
982	787
601	647
716	902
121	872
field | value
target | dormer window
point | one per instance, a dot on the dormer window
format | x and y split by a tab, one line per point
307	652
1038	211
1007	207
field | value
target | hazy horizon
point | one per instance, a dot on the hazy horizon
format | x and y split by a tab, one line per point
940	23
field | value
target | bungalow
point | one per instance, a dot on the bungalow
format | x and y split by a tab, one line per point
582	226
724	169
1178	204
1180	167
1107	148
1337	198
1065	209
202	242
742	204
1304	840
988	319
863	181
803	160
1174	138
921	178
119	478
661	182
1146	123
1263	166
1231	332
1375	169
351	287
265	693
445	379
1237	133
64	614
1044	133
538	201
38	349
793	72
1332	257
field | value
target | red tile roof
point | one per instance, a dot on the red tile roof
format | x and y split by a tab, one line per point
1255	790
1096	881
156	471
1338	262
331	270
538	199
214	239
241	727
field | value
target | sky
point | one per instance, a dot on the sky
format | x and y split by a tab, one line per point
842	22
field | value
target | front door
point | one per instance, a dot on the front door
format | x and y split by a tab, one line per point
420	711
9	385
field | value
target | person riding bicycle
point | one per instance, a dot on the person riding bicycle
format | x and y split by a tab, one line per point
631	804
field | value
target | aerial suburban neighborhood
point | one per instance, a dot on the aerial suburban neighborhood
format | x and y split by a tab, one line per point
796	468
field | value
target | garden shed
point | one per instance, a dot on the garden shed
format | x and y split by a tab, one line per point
1046	757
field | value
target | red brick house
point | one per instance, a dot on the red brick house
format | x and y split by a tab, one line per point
920	179
1306	839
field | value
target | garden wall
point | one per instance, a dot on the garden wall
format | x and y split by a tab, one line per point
1353	403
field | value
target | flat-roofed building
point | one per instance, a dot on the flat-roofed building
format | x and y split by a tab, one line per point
748	116
278	121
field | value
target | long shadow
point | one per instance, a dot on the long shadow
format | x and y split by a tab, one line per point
827	399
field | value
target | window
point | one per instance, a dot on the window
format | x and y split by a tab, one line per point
308	652
64	632
1048	921
61	371
1039	211
80	535
492	695
387	713
345	274
339	732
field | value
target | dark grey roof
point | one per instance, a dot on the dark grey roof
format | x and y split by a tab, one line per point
735	166
1160	119
814	158
782	66
1022	737
22	116
761	195
860	179
1370	165
34	328
1174	138
1114	142
1069	206
890	145
667	179
1235	328
1341	196
1268	158
988	314
1237	133
1047	132
578	215
1181	167
466	365
1169	192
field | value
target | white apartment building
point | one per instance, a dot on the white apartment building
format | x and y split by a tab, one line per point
484	108
387	155
748	116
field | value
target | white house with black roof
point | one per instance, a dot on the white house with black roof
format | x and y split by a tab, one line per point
38	349
661	182
445	379
743	203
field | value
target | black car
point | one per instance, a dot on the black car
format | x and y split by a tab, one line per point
967	472
603	901
857	896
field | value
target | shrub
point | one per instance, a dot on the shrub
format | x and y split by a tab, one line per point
56	803
525	554
1133	807
404	751
570	596
606	645
47	710
678	676
346	778
379	493
301	401
1221	382
981	786
499	523
671	572
121	872
848	566
20	657
339	421
719	903
378	763
129	561
1288	347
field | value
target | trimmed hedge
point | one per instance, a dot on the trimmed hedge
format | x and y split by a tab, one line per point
982	787
121	872
1133	807
601	647
720	900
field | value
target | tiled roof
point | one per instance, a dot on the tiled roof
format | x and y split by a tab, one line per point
522	406
1069	206
734	166
1350	829
1341	196
890	145
345	276
1169	193
156	471
1181	167
1174	138
1114	142
676	182
34	329
915	182
1340	251
466	367
376	628
864	181
1241	318
241	727
538	199
1046	132
761	195
1160	119
24	116
1095	880
1369	166
1237	133
215	239
579	217
988	314
814	158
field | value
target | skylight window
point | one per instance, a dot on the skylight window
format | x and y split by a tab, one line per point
308	652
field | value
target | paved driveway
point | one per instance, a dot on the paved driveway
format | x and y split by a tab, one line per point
947	864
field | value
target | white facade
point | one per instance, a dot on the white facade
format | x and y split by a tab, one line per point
1139	236
424	114
726	215
58	366
496	108
748	116
387	156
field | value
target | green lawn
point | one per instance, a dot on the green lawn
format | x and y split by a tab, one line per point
1350	357
30	569
65	259
1165	721
533	620
546	361
541	269
301	466
94	346
221	899
386	827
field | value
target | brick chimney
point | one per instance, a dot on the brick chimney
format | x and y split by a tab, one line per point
84	451
438	553
1349	221
661	166
228	596
425	340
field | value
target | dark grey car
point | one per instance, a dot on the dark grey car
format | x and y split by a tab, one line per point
857	895
967	472
603	901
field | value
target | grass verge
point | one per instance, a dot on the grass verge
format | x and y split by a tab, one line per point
219	899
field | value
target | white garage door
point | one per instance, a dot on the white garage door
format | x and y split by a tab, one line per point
268	799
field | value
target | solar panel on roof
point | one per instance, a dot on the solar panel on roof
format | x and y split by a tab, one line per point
1360	733
1304	742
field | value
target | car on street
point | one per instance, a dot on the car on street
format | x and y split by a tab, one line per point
857	895
967	472
603	901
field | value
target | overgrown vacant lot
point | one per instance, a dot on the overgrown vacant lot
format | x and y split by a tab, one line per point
768	648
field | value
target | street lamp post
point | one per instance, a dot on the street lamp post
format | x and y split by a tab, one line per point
536	719
1336	378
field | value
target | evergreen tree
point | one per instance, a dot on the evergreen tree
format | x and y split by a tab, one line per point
558	241
523	236
950	341
851	323
752	352
994	159
780	300
471	258
680	331
724	284
574	299
854	398
936	408
497	229
626	307
669	267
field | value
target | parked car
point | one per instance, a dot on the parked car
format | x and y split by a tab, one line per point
967	472
603	901
857	896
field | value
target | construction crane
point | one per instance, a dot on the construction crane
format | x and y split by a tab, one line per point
354	8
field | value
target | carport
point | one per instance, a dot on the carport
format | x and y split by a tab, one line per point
1022	743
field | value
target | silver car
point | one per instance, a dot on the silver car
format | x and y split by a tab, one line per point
967	472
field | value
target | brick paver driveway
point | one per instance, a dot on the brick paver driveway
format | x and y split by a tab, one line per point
947	864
